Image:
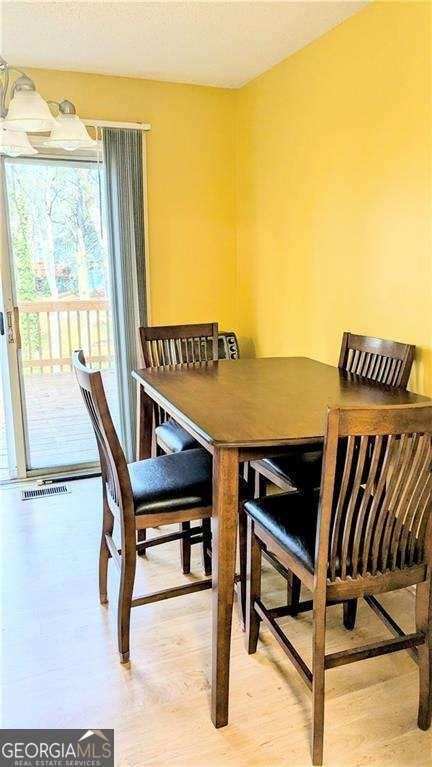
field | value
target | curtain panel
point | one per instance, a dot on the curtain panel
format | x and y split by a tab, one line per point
123	166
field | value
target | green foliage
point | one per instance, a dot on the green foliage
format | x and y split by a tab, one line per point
21	238
56	229
25	286
58	248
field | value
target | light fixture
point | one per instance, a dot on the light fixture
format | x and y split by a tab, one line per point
28	112
69	132
14	143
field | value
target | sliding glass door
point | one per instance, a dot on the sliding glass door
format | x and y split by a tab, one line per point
56	296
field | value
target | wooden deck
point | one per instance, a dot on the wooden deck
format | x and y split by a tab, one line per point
59	432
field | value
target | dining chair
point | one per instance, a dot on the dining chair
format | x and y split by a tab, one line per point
163	346
169	345
374	359
173	345
367	530
157	491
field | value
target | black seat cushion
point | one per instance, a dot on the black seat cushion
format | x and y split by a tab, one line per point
172	482
301	468
174	437
291	519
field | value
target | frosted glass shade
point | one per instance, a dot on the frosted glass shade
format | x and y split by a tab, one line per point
14	144
69	133
28	112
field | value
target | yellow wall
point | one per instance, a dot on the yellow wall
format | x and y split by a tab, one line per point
333	191
190	185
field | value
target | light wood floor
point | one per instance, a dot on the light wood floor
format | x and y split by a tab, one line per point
60	665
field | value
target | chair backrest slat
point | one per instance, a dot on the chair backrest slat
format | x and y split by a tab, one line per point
340	505
387	362
376	511
115	475
353	503
177	344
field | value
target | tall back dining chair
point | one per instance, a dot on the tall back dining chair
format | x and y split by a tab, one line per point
157	491
168	345
174	345
367	531
374	359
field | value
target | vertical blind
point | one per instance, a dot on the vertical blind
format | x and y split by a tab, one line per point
123	166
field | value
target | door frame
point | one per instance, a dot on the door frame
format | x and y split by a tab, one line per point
13	401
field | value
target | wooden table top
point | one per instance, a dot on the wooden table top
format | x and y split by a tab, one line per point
258	402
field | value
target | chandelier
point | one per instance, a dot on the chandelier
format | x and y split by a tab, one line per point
23	111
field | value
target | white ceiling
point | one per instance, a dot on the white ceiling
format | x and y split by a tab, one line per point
209	43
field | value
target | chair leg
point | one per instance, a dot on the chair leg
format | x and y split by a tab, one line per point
253	587
260	485
319	619
104	554
127	578
424	623
242	548
206	546
141	538
185	548
293	593
349	613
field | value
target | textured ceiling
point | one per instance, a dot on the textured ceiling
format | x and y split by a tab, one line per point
209	43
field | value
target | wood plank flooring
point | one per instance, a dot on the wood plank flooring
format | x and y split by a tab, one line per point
60	666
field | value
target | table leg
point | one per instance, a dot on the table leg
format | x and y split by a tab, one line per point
225	509
144	424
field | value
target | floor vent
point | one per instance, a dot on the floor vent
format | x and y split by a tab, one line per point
41	492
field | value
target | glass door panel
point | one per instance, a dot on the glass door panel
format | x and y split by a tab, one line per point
60	273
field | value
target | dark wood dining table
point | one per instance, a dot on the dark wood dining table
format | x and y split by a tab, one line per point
241	410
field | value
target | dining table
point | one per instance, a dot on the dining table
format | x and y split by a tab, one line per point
239	411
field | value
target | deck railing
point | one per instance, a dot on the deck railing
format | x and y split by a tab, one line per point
51	330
